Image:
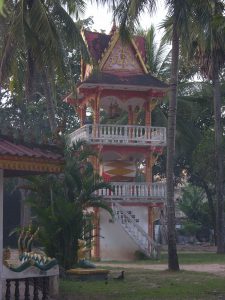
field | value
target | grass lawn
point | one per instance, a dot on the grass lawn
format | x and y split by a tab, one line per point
147	285
184	258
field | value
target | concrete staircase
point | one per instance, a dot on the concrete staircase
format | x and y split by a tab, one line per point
135	231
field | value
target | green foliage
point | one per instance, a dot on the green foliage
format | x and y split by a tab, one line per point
139	255
203	157
59	203
158	55
1	6
40	54
194	205
189	228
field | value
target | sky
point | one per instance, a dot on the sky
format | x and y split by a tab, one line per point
103	18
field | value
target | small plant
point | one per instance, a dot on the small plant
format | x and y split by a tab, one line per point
139	255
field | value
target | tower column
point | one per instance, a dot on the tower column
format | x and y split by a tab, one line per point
82	115
130	115
148	114
97	108
148	170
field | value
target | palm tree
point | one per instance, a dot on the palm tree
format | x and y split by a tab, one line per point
209	50
178	12
34	45
60	203
158	54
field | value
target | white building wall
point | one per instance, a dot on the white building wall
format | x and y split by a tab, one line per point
115	243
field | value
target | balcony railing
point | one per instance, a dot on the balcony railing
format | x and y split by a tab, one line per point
138	191
120	134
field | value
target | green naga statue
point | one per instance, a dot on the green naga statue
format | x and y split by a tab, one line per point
28	257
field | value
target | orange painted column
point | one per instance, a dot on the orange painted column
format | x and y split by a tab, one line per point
97	108
135	114
96	112
148	114
130	115
82	115
148	169
95	163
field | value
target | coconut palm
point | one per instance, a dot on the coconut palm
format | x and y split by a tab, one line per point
34	45
158	53
209	52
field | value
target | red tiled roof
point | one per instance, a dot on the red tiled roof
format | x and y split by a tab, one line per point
136	80
98	42
10	148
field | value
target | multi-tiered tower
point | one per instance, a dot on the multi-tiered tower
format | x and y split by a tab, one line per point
118	91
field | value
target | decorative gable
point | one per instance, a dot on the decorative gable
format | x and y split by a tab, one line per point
123	59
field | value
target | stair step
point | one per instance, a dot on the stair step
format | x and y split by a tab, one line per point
129	222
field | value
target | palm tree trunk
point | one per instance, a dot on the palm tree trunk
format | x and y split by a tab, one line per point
29	77
211	207
50	103
220	230
172	249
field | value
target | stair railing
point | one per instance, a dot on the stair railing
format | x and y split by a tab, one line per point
135	231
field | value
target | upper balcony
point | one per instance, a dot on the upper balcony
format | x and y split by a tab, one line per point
135	192
120	135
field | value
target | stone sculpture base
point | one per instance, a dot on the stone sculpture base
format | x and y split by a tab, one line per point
87	274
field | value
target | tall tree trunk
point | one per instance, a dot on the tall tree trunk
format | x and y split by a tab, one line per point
173	263
50	103
211	207
25	210
29	77
220	230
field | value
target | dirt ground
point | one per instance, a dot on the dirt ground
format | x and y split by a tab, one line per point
217	269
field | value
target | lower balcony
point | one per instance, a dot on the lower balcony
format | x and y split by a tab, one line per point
120	135
133	191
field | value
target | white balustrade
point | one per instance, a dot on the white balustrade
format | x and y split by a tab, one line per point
120	134
129	191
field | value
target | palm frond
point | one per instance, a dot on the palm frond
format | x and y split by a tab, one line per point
70	30
11	43
50	47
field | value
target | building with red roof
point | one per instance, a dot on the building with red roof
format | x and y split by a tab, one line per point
119	94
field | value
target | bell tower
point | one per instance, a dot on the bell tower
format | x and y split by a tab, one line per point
120	94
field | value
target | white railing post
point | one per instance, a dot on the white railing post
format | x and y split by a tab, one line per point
117	134
142	191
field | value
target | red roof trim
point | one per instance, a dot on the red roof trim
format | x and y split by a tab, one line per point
10	148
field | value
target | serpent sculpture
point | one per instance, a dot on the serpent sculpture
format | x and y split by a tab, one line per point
27	257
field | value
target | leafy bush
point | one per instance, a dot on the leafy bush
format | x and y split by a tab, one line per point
60	204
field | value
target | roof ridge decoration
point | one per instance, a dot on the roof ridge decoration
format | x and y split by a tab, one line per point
114	39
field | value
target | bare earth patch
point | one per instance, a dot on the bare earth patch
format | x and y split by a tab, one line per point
217	269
